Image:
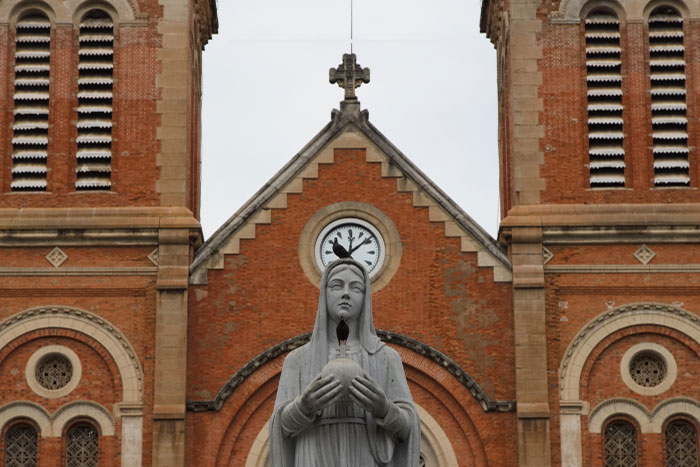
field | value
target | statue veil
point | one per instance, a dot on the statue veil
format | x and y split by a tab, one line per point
318	345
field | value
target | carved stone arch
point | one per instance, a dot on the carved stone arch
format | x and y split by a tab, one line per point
27	410
612	408
81	10
245	404
10	12
574	11
83	409
434	444
674	407
70	11
610	6
98	328
584	343
608	323
123	12
647	421
679	5
130	410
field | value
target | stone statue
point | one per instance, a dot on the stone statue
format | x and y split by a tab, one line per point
355	411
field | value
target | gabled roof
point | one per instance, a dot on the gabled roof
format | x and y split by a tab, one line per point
210	254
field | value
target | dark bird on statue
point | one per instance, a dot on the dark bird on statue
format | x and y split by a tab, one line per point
340	250
342	331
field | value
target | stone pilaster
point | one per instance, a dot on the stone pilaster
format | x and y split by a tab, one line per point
530	348
174	82
171	349
526	104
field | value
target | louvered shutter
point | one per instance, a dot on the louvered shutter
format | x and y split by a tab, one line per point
30	127
95	83
604	91
668	101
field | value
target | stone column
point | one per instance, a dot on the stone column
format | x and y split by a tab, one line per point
570	433
530	348
132	434
171	349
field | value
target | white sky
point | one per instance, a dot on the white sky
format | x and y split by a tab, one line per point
266	93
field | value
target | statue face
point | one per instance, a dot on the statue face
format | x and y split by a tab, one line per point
345	293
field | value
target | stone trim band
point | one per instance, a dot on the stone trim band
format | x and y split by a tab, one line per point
485	402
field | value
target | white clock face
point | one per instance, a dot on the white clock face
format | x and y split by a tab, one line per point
358	237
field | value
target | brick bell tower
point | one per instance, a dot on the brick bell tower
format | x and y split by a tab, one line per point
99	209
598	130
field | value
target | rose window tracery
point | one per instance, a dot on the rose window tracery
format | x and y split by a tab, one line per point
647	370
54	371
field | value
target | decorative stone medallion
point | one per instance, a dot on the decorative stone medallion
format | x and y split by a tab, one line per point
56	257
153	257
546	255
644	254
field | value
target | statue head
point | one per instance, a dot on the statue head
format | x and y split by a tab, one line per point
345	291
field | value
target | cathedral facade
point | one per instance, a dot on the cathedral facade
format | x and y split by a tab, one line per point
573	339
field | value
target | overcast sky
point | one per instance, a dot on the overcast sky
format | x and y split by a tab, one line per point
266	93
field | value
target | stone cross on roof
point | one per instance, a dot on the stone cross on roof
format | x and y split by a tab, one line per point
349	75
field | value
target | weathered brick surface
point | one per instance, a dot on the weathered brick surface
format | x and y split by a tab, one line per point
573	300
128	303
439	295
565	119
135	119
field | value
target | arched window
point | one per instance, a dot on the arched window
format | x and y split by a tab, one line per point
604	91
620	445
669	122
81	446
95	80
21	446
681	444
30	127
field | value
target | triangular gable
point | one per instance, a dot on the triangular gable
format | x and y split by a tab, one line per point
348	129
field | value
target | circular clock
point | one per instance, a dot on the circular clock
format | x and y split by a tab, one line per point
360	238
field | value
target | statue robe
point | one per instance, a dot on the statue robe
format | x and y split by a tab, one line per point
344	435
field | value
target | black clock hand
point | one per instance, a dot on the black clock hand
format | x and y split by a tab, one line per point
366	242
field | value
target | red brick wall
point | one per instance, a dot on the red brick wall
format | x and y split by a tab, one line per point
439	296
573	300
135	120
565	118
128	303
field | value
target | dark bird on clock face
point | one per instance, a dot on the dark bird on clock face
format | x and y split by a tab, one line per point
340	250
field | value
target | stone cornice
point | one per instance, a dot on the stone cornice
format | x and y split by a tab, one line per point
485	402
133	226
544	215
579	223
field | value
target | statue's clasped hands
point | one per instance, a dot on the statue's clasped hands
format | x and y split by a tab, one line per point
320	393
324	391
366	393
